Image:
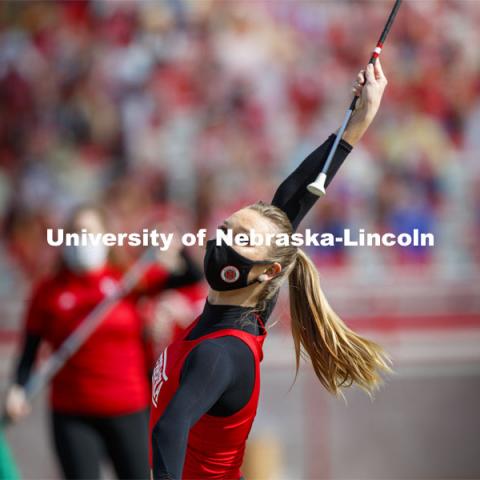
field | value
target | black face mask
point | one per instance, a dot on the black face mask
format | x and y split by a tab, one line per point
225	269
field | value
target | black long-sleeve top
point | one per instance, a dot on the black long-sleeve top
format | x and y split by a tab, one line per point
219	375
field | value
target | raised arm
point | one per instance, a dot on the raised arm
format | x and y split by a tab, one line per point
159	277
292	195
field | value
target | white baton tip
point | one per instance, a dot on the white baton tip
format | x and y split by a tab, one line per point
318	186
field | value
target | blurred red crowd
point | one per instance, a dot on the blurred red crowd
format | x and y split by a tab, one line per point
183	111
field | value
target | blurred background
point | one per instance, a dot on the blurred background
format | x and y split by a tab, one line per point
183	111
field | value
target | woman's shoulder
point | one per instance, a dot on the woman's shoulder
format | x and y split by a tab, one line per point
224	355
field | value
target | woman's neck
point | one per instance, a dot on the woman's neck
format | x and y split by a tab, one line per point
243	297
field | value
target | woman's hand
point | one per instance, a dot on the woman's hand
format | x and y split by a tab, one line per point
369	87
16	405
172	259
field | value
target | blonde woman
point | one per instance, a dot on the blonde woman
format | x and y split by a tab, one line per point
206	386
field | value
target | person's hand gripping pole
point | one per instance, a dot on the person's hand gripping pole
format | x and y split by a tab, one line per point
360	111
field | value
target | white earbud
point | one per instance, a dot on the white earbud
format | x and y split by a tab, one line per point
262	278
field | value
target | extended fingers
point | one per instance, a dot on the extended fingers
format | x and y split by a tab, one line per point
370	74
373	74
379	75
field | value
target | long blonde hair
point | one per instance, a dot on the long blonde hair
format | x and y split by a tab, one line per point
339	356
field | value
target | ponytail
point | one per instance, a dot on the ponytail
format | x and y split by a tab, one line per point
339	356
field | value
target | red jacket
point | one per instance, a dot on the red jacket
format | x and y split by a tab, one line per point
108	375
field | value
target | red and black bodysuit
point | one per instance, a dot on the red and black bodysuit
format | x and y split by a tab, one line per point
206	386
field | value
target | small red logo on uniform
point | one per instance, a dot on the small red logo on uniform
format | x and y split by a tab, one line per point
230	274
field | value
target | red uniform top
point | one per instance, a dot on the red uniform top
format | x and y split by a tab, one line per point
216	445
108	374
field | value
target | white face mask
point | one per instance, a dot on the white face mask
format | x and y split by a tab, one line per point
84	259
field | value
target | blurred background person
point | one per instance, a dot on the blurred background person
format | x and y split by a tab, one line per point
99	398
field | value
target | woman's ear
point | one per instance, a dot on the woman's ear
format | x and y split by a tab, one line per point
272	271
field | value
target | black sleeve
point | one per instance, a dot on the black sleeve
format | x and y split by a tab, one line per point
208	371
292	195
31	343
189	275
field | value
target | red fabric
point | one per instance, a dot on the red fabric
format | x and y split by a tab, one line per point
216	445
108	375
